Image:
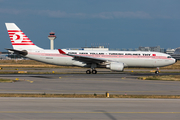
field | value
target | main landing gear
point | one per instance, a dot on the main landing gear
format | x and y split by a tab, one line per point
157	71
91	71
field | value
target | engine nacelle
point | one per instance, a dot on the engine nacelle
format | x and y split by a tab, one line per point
116	66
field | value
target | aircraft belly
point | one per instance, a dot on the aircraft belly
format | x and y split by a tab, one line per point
62	61
79	63
67	60
51	60
145	62
161	63
136	62
130	62
148	63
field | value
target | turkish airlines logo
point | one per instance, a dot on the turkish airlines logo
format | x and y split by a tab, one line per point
18	38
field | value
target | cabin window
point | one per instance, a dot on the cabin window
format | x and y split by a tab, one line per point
146	54
137	54
112	53
169	57
72	52
116	53
83	53
92	53
128	54
49	57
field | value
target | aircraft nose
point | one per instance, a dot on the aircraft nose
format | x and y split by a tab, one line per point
175	60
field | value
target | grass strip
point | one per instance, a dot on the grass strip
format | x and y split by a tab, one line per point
44	95
41	73
161	77
2	80
35	64
79	72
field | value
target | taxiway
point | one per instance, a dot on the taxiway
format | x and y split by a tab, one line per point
88	84
91	109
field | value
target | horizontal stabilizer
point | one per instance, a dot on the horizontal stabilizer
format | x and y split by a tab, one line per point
23	52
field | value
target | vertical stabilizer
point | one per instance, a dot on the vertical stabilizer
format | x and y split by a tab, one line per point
18	39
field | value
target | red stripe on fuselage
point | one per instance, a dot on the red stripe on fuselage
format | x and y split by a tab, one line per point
106	56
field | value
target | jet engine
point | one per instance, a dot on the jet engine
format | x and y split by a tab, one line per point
116	66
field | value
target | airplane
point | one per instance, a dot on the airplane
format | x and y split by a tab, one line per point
113	60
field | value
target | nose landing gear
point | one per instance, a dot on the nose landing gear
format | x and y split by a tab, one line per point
157	71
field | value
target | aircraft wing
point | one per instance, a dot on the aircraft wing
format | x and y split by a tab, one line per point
86	59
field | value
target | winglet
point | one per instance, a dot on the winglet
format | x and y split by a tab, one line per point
61	51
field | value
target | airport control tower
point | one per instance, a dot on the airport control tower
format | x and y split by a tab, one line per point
52	36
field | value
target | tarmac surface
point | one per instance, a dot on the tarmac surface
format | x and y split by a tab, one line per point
114	83
81	70
89	109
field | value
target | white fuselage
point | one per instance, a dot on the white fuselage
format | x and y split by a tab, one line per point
129	58
113	60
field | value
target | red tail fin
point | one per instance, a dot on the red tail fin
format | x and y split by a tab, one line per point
18	39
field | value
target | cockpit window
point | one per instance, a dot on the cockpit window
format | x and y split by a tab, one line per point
169	57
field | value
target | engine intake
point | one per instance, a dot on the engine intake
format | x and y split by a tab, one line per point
116	66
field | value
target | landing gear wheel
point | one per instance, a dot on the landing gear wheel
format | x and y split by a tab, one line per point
88	72
94	71
156	72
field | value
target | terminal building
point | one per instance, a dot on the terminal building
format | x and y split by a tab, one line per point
170	51
176	54
155	49
10	56
3	55
100	48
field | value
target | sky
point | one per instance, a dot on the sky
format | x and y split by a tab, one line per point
80	23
